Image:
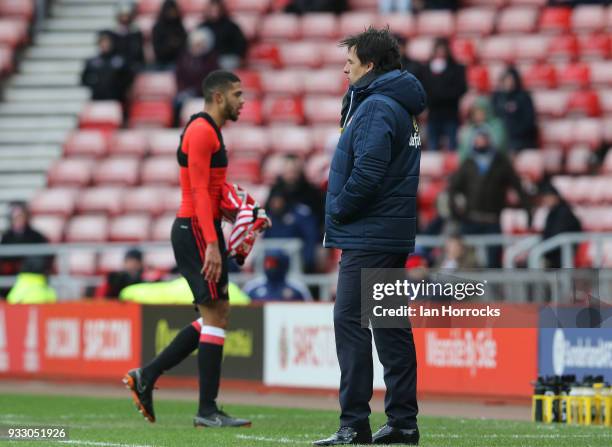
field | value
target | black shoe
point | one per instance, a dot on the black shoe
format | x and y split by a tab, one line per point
394	435
219	419
347	435
142	393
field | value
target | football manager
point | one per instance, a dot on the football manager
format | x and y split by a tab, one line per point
371	215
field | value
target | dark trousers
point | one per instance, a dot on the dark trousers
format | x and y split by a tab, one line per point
354	348
494	252
437	129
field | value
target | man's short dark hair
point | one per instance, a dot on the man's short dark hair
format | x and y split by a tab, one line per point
378	46
218	80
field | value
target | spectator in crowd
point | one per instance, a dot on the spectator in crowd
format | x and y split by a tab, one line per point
293	221
445	83
560	219
230	44
20	232
389	6
275	286
456	255
297	189
127	37
169	35
478	191
408	64
514	106
193	66
107	74
31	285
481	116
132	273
306	6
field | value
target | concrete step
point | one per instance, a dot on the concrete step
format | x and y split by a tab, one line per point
35	153
18	137
84	10
46	123
77	24
78	39
21	180
60	53
35	66
17	194
25	165
48	80
35	110
76	94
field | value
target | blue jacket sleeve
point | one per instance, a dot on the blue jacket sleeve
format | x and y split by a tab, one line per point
373	132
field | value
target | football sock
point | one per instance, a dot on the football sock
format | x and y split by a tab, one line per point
210	356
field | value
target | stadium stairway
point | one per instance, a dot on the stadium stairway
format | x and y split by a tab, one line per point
42	100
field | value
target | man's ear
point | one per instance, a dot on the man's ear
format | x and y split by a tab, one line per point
218	97
370	66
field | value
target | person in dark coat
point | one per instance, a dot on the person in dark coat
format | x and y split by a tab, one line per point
107	74
513	104
370	214
230	43
132	273
128	39
169	35
560	219
445	82
307	6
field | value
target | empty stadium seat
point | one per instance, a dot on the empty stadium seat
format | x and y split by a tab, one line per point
291	139
272	167
316	169
284	82
601	73
283	109
52	227
82	262
584	102
23	9
514	221
280	27
132	143
574	75
250	82
475	21
578	160
588	131
13	32
478	78
435	23
160	170
555	19
588	18
498	48
164	142
150	114
161	259
102	115
130	228
563	47
420	48
553	159
117	171
531	48
595	46
605	100
190	107
550	102
259	6
326	81
249	24
251	113
90	228
246	140
264	55
111	260
319	26
154	86
301	54
324	109
161	228
517	19
193	6
71	172
86	143
401	24
244	169
101	199
537	76
355	22
172	200
145	200
432	164
529	163
56	201
325	136
556	132
464	50
148	6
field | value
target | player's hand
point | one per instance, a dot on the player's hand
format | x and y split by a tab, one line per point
212	263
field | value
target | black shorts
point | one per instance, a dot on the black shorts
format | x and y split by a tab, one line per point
189	248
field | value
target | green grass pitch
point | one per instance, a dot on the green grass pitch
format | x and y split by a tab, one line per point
115	423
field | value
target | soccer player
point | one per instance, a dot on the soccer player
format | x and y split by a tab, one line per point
371	215
200	253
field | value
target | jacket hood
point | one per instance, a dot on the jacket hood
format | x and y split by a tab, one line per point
401	86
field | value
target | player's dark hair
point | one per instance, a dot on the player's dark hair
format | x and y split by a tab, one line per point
218	80
378	46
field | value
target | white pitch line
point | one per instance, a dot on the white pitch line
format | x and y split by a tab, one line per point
100	444
264	439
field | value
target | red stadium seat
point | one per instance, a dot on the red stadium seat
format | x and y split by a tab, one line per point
584	102
101	199
151	114
71	172
250	82
148	6
132	143
401	24
82	262
13	32
272	167
555	19
319	26
529	163
284	82
478	78
102	115
517	19
475	21
164	142
551	103
428	192
601	73
301	54
589	131
327	82
117	171
56	201
291	139
190	107
578	160
435	23
432	164
280	27
247	140
334	57
91	228
6	60
514	221
251	113
172	200
130	228
556	132
86	143
145	200
553	159
563	47
52	227
325	136
258	6
161	259
605	100
595	46
355	22
322	109
111	260
532	48
243	169
574	75
538	76
264	55
588	18
464	51
498	48
420	48
317	169
193	6
17	8
249	24
283	109
451	163
161	228
161	170
154	86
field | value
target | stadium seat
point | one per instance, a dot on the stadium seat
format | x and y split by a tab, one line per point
101	115
250	82
498	48
553	159
584	102
251	113
601	73
130	228
420	48
86	143
160	259
190	107
537	76
529	163
555	19
333	56
552	103
354	22
55	201
101	199
464	50
111	260
6	60
517	19
326	82
122	171
588	18
578	160
322	109
160	170
150	114
283	109
319	26
588	131
316	169
291	139
514	221
428	192
595	46
574	75
247	140
52	227
82	262
325	136
556	132
90	228
496	70
244	170
280	27
403	25
301	54
264	55
148	6
531	48
605	100
563	47
283	82
451	163
432	164
154	86
131	143
144	200
71	172
193	6
272	167
478	78
23	9
13	32
475	21
160	230
435	23
164	142
240	6
172	200
249	24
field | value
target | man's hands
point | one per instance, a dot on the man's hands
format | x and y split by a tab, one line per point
212	263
